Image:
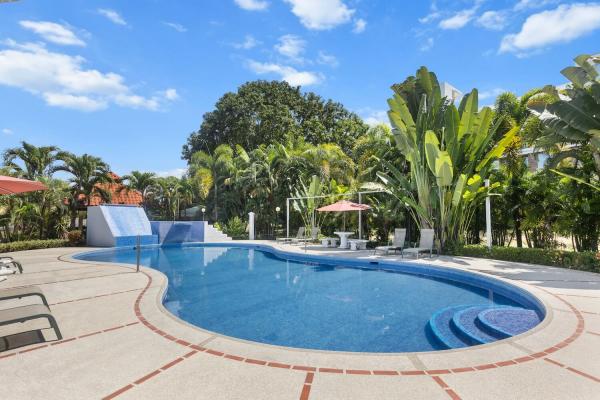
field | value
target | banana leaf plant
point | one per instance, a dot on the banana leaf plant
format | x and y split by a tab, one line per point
572	115
450	152
307	201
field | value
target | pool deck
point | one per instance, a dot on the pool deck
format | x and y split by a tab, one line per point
119	342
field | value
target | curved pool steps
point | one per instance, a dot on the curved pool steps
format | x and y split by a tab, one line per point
442	329
468	325
465	324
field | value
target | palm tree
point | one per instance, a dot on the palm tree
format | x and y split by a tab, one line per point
572	119
166	191
87	174
36	161
140	181
211	170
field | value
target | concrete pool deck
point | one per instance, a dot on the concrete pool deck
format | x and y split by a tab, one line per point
119	342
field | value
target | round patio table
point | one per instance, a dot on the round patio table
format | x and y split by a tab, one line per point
344	238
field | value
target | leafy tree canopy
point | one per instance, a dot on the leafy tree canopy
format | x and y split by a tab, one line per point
263	112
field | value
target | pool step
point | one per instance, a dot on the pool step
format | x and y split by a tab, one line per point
442	329
472	324
507	322
466	327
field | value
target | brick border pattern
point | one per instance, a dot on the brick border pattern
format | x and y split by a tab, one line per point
310	370
432	372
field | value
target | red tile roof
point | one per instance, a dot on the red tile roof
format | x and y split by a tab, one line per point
119	195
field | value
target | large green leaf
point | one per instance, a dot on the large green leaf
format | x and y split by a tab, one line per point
469	114
432	150
499	149
443	169
458	189
574	116
576	75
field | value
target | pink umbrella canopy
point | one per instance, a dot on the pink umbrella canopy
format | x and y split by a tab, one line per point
10	185
344	205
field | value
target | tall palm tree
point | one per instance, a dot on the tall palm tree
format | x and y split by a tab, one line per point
87	173
211	170
36	161
140	181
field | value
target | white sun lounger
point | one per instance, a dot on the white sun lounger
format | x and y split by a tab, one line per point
6	262
397	242
299	235
425	244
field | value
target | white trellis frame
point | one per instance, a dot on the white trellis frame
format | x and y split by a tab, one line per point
287	207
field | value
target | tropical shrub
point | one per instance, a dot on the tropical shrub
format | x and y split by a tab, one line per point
33	244
450	152
235	228
584	261
75	237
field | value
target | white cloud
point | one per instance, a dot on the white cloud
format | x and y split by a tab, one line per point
458	20
359	26
53	32
77	102
291	46
375	117
427	45
493	20
321	14
492	93
252	5
177	172
171	94
7	131
112	15
176	26
286	73
62	80
561	25
434	14
248	43
529	4
327	59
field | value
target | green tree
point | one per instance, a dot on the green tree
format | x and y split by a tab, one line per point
87	174
263	112
449	150
572	116
140	181
211	171
35	162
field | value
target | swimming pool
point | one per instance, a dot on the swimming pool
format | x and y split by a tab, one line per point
260	294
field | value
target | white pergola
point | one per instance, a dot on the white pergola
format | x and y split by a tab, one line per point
287	207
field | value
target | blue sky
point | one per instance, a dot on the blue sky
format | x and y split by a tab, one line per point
128	81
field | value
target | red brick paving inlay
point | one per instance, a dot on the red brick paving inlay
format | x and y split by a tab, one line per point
304	395
505	363
441	383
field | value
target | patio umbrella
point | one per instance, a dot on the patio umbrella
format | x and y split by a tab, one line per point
10	185
344	206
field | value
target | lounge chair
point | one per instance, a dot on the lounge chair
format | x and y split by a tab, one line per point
6	262
314	235
425	244
397	242
19	293
26	313
300	235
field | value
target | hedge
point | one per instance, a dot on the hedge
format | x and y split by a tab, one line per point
583	261
33	244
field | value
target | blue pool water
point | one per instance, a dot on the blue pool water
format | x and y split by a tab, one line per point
255	295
